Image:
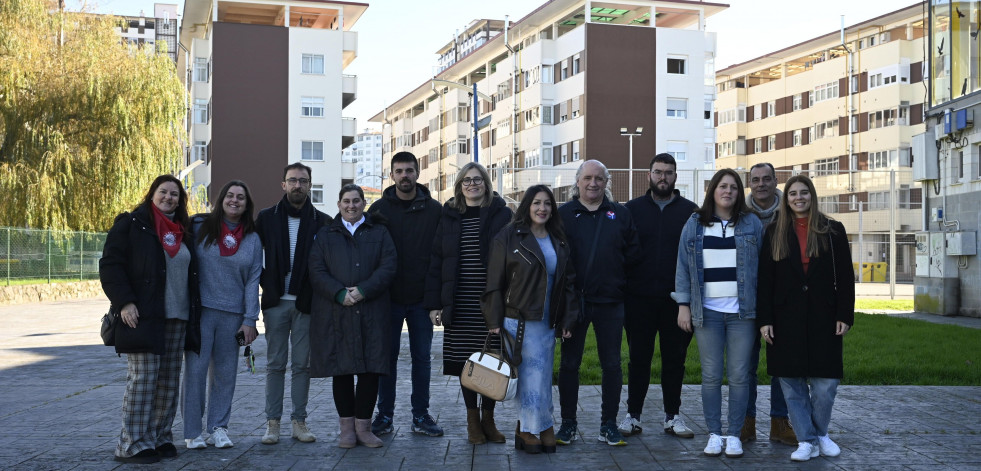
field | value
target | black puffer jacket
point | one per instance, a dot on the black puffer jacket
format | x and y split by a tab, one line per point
517	281
445	262
133	270
412	229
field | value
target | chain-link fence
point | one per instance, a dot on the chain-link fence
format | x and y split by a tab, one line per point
41	256
879	208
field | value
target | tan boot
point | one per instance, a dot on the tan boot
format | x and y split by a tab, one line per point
748	433
781	431
347	437
362	429
490	428
526	441
475	434
548	440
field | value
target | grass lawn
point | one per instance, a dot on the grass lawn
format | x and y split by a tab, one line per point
879	350
891	304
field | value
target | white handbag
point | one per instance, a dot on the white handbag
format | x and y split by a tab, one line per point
491	373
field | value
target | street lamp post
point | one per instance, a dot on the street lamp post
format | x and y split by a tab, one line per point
630	164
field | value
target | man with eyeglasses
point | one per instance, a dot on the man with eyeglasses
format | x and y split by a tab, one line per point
764	201
659	214
287	231
411	216
604	244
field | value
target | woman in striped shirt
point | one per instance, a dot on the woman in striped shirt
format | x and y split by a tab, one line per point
715	287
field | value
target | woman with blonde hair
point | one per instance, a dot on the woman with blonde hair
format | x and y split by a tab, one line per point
805	306
456	280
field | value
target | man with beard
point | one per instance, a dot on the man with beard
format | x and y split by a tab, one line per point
660	214
411	216
287	231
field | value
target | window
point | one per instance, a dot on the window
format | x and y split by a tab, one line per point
678	108
853	202
771	109
200	114
313	64
878	160
575	64
676	65
312	150
797	137
854	86
828	204
317	194
796	102
824	129
875	80
708	112
678	149
825	167
564	153
564	72
758	145
825	91
771	142
199	151
546	114
200	69
547	74
312	107
878	200
575	151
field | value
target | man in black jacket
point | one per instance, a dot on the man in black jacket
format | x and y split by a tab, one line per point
660	214
287	231
604	243
411	216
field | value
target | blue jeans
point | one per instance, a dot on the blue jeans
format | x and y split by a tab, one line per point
219	354
607	320
420	347
778	406
810	414
286	327
724	337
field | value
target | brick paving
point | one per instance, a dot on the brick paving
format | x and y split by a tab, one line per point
61	390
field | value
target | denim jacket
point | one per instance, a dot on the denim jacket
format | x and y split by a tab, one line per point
689	280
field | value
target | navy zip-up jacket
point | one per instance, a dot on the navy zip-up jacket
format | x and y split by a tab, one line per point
659	231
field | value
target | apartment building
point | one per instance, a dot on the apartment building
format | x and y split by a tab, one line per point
948	163
156	33
366	156
267	88
557	88
843	108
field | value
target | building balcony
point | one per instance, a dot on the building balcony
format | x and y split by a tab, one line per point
350	47
349	90
349	131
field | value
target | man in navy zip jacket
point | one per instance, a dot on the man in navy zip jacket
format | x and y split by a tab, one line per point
604	244
659	214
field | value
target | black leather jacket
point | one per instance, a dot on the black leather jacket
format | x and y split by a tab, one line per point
517	280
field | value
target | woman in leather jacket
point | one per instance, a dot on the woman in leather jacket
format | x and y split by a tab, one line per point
530	292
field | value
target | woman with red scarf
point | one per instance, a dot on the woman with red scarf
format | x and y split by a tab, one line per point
229	255
149	273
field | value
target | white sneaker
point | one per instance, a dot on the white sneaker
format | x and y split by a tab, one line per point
714	446
195	443
734	447
828	447
630	426
676	426
219	438
805	451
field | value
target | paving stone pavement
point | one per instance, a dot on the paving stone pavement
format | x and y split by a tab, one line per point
61	391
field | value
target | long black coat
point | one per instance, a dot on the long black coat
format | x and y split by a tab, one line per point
350	339
445	262
803	309
133	270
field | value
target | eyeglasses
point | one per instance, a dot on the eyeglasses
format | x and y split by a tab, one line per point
301	181
473	181
664	173
249	359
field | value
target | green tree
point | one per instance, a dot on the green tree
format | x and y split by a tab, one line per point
86	122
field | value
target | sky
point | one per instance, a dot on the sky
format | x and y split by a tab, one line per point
398	39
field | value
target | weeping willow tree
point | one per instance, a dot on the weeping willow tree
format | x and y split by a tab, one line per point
86	123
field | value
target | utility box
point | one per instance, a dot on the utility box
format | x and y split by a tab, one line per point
923	254
925	163
961	243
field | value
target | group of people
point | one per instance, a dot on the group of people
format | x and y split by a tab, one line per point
336	293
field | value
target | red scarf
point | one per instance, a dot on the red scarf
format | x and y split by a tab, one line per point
169	232
230	239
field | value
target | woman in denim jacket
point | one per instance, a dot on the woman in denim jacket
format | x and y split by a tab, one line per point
715	288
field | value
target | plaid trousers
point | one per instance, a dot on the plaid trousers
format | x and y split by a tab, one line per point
150	401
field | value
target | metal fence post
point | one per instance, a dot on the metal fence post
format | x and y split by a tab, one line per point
49	255
894	198
81	256
8	256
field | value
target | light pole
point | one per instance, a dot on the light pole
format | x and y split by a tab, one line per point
630	164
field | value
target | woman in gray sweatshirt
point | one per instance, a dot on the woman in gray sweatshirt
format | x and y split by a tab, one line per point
230	260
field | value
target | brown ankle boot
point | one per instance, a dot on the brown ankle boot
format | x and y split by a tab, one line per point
526	441
548	440
347	437
475	434
489	428
362	430
748	433
781	431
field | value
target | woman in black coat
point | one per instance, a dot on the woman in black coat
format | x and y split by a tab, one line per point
805	306
352	263
457	275
148	271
